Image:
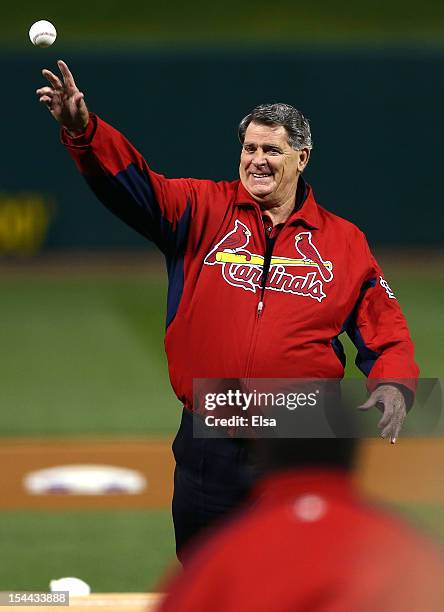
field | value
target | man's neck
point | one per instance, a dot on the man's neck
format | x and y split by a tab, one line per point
279	212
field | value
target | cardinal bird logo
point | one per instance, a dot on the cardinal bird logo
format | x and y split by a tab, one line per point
309	252
233	242
305	275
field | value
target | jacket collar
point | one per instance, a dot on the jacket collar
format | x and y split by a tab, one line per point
307	213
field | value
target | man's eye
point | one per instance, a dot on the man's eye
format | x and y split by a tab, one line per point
249	149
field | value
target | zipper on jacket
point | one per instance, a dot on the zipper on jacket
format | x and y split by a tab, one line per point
269	245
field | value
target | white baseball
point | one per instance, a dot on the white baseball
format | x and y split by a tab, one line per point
42	33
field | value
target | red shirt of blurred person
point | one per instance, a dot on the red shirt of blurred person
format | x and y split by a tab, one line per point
309	542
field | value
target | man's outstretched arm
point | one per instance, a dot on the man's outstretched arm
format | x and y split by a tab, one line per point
156	207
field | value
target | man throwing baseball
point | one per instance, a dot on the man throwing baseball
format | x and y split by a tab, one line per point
262	281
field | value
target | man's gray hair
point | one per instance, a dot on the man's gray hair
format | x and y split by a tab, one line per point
297	126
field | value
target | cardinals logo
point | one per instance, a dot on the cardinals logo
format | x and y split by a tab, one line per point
244	269
234	242
310	253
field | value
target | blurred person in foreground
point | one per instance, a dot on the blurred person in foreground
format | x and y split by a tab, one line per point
308	541
262	280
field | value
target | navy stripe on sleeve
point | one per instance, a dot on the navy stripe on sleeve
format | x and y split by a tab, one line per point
366	357
175	263
339	350
129	196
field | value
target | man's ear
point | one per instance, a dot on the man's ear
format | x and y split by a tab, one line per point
304	156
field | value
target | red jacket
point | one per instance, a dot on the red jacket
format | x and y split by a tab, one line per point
309	543
221	322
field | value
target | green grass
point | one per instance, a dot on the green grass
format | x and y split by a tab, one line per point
200	22
85	355
111	551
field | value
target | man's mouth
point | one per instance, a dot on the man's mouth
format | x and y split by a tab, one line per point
262	175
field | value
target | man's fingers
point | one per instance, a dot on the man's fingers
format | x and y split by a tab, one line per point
390	401
395	433
45	91
386	418
393	428
368	404
66	73
398	426
78	97
52	78
45	100
371	401
388	430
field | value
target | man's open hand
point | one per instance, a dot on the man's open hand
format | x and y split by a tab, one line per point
64	100
390	400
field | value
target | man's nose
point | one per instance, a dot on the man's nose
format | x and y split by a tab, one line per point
259	158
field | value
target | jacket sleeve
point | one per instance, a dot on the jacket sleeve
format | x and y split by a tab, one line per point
378	329
156	207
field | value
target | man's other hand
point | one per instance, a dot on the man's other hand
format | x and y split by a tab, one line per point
391	402
64	100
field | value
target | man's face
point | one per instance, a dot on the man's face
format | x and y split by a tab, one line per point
269	166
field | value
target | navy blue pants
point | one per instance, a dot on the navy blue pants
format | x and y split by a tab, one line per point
211	479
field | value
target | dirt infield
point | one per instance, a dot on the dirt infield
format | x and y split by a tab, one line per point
410	471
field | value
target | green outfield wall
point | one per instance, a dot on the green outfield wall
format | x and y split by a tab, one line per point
377	123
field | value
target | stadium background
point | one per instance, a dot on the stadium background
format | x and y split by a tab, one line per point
82	297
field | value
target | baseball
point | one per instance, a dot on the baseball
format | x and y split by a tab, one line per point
42	33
